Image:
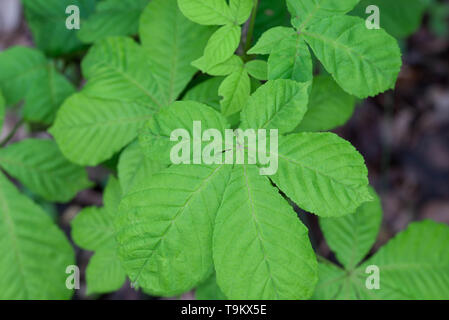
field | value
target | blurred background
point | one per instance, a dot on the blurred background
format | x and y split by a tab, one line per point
403	134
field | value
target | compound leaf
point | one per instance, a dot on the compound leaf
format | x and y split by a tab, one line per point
291	59
207	12
352	236
90	130
261	248
322	173
112	18
167	37
35	252
350	52
165	227
329	106
41	167
278	104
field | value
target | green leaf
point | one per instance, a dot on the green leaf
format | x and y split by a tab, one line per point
322	173
333	283
278	104
134	167
35	252
307	12
165	227
220	47
350	52
413	265
235	90
261	249
271	39
400	18
47	21
329	106
46	96
351	237
155	137
241	9
270	13
104	272
93	229
20	68
209	290
41	167
90	130
258	69
206	92
291	59
2	110
207	12
167	37
118	69
112	18
233	64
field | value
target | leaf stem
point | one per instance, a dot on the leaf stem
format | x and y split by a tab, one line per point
12	133
250	33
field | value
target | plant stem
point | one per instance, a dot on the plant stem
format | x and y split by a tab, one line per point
12	133
249	34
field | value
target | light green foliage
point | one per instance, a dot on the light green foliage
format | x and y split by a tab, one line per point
178	205
352	54
207	12
329	106
352	236
206	92
209	290
279	104
112	18
270	13
220	47
261	249
322	173
2	110
400	18
307	12
291	59
257	69
35	253
235	90
241	9
413	265
93	229
168	38
41	167
47	21
233	64
271	39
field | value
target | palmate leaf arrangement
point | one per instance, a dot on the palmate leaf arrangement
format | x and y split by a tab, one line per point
223	229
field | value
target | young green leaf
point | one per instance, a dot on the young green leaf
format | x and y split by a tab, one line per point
352	236
241	9
167	36
165	227
306	12
35	252
207	12
291	59
235	90
261	249
112	18
278	104
206	92
322	173
90	130
209	290
93	229
47	21
329	106
258	69
363	62
220	47
270	40
41	167
46	96
20	68
233	64
134	166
